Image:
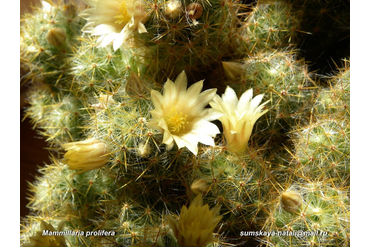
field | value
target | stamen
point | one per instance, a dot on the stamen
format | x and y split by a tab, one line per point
123	16
176	121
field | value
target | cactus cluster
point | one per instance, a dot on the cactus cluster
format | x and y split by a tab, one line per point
120	91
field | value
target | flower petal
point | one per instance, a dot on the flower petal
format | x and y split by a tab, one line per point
169	93
244	101
230	98
204	127
219	105
91	3
104	13
167	138
211	114
206	140
141	28
108	39
256	101
173	224
181	83
103	29
204	98
157	99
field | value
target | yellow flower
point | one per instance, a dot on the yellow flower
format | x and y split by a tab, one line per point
180	115
114	20
239	116
87	155
196	224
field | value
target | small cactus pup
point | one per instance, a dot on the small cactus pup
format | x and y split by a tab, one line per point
270	25
322	149
286	84
58	118
102	70
309	214
193	36
334	101
240	182
48	37
283	79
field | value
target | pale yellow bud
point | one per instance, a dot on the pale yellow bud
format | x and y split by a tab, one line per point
199	186
290	201
87	155
56	36
173	9
233	70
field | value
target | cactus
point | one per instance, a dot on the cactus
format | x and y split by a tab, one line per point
120	91
271	25
321	219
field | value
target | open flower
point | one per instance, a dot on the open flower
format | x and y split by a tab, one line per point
180	115
87	155
239	116
196	224
114	20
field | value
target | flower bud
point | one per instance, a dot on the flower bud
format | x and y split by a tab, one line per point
290	201
173	9
143	149
194	11
233	70
199	186
56	36
87	155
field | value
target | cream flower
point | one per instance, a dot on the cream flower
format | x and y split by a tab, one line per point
114	20
180	115
239	116
87	155
196	223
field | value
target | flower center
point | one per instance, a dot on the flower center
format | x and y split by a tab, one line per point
123	16
176	121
